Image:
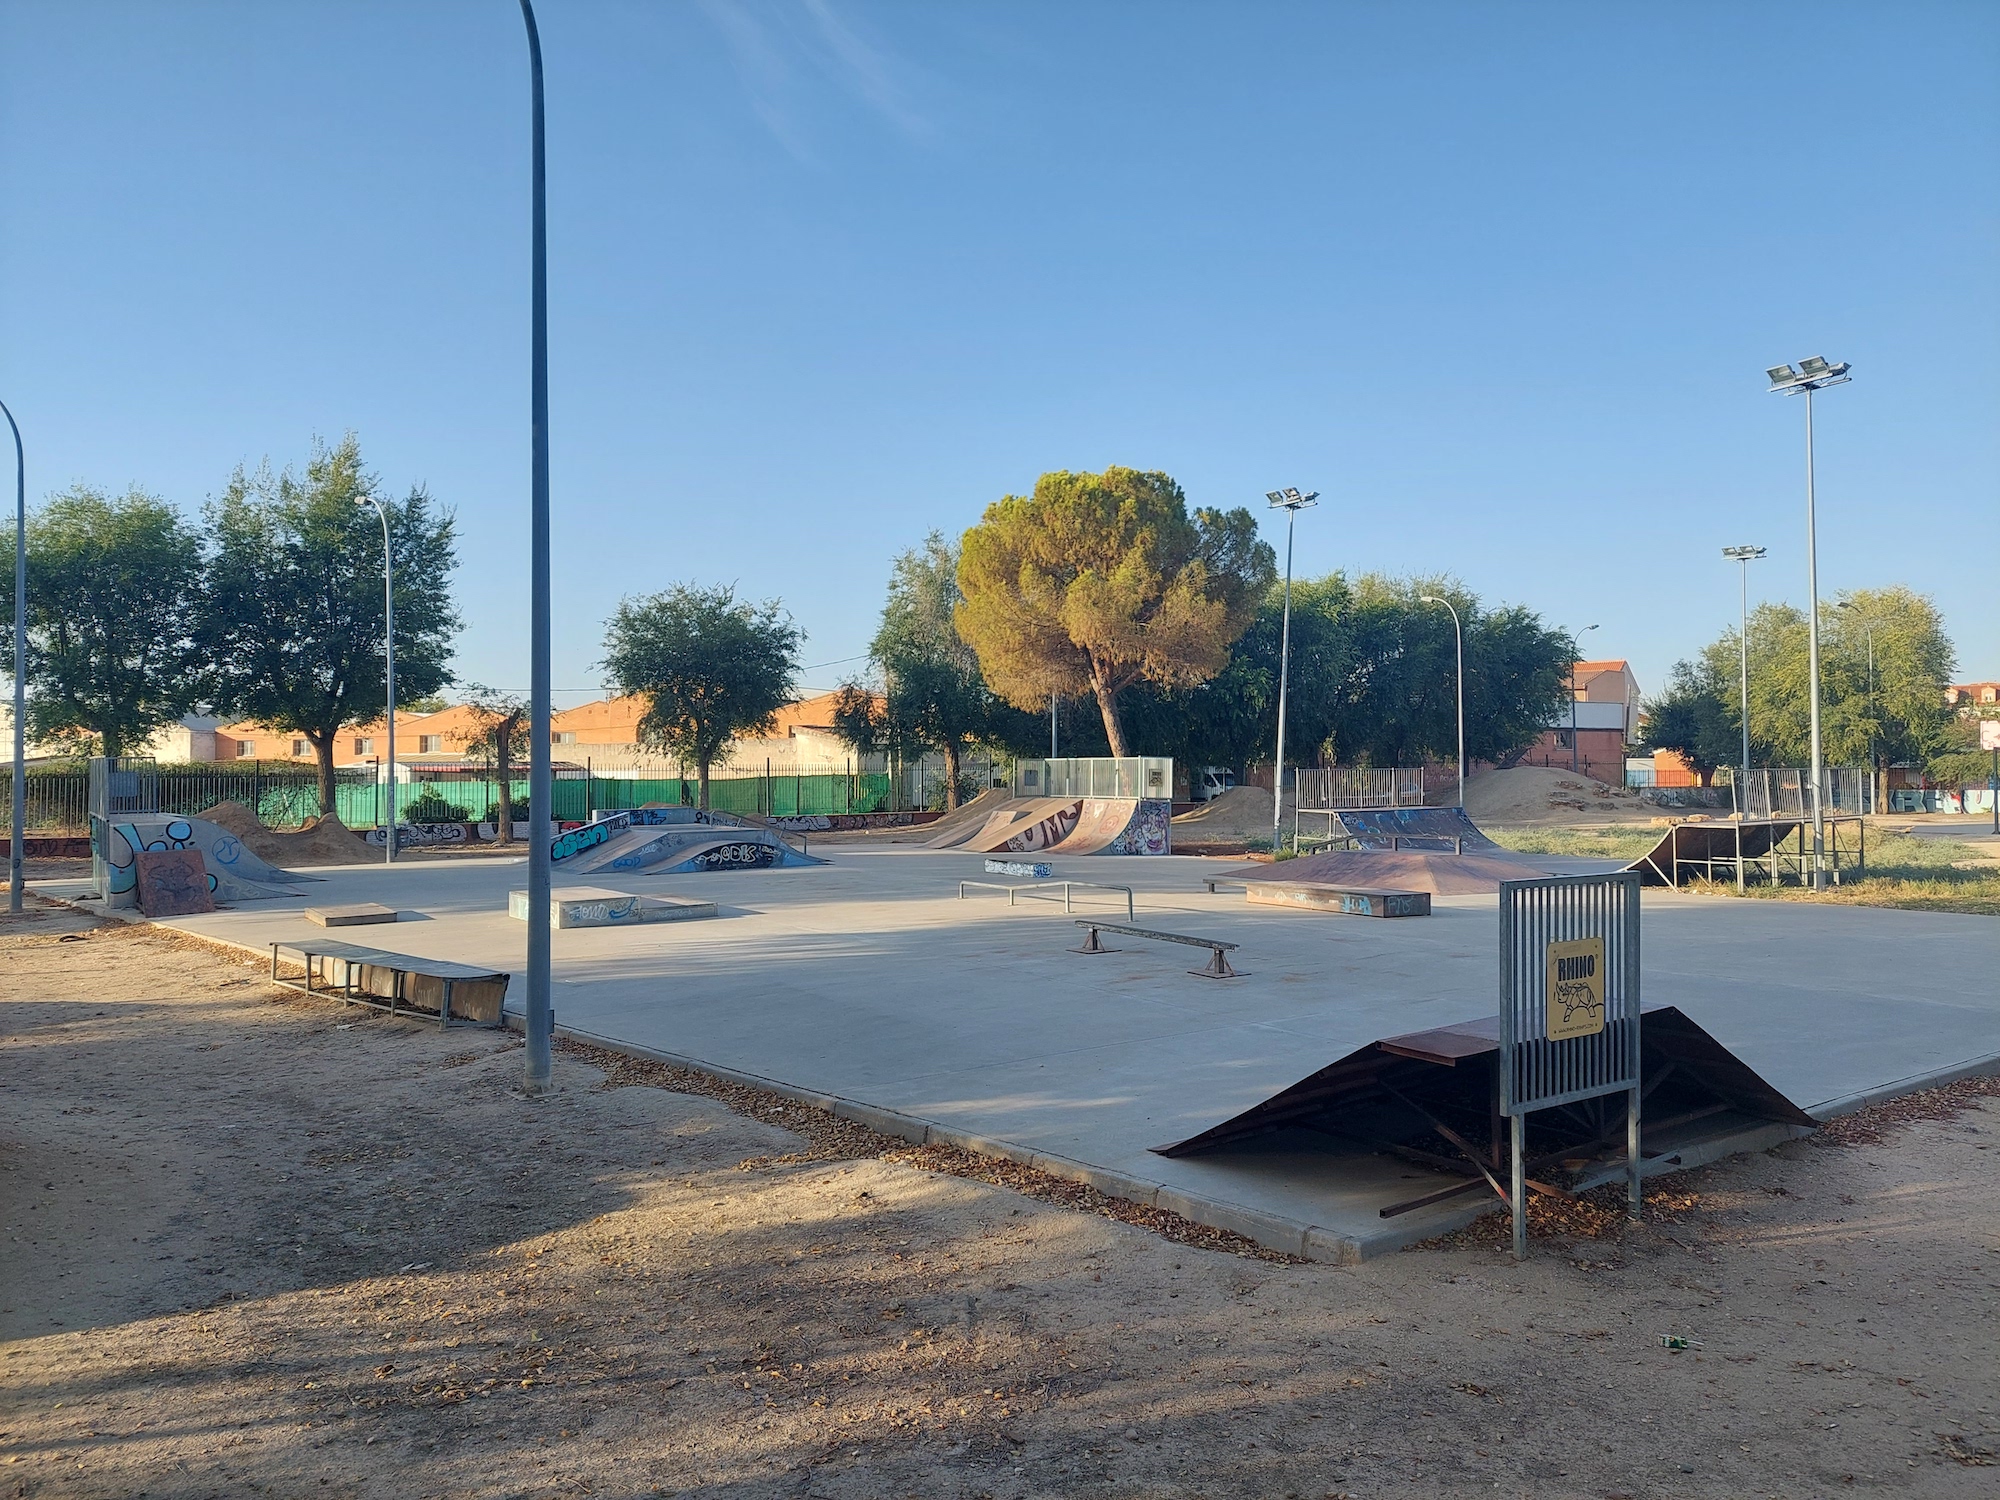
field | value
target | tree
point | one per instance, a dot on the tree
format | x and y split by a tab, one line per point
711	667
113	591
934	697
1096	582
293	628
497	732
1400	707
1896	714
1696	718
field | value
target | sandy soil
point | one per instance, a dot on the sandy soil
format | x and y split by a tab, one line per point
1537	794
259	1243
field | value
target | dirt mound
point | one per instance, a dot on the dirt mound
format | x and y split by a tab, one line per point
1239	814
324	841
1543	794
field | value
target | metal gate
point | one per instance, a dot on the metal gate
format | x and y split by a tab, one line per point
1569	1006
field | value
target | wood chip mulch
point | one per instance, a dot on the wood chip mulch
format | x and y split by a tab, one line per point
831	1138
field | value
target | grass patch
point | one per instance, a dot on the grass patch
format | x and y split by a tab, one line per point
1615	842
1914	874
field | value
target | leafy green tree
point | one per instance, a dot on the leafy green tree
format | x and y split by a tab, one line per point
934	697
1896	714
1959	761
497	733
1696	718
1400	707
711	667
113	591
293	627
1097	582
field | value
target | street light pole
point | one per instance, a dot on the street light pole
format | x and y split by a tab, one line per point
1458	633
1291	502
389	667
18	825
1813	374
1745	556
538	1021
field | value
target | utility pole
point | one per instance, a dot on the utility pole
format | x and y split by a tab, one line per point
539	1019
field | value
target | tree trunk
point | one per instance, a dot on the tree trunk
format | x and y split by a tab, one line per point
112	744
1107	705
701	785
1707	775
951	775
323	753
503	816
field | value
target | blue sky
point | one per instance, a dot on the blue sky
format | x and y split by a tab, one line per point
1499	280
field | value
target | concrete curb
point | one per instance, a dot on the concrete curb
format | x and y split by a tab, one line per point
1978	1067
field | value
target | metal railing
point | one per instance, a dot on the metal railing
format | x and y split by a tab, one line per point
1095	776
1333	788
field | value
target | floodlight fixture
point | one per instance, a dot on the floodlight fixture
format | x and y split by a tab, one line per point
1291	499
1743	554
1814	373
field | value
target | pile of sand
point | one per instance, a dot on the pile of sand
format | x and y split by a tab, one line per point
324	841
1543	794
1239	814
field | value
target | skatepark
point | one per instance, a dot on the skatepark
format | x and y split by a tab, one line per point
858	979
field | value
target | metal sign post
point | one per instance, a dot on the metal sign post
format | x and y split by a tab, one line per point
1569	1009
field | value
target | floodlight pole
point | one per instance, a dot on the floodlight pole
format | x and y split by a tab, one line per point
1812	375
1458	633
388	668
538	1021
1291	502
18	824
1745	556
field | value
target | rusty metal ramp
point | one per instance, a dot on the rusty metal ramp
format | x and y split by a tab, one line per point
1431	1099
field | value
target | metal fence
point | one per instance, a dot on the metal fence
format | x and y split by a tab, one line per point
1095	776
1786	792
287	796
1331	788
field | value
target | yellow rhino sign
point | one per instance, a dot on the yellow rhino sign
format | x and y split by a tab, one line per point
1576	988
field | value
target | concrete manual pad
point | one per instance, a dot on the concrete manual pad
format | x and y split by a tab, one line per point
360	914
594	906
868	982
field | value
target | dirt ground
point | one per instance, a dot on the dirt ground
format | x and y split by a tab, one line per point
1539	794
264	1244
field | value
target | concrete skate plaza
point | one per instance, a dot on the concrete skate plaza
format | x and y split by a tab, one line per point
867	983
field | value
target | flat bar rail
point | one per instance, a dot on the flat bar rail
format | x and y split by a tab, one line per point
1218	962
314	952
1034	891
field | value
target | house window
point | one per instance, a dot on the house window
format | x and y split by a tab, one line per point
298	748
566	737
364	744
429	744
246	749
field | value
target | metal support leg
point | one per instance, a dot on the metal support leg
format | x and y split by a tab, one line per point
1632	1097
1092	944
1518	1200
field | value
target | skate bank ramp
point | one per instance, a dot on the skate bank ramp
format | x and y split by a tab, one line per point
1032	825
1392	1096
672	841
1446	828
234	872
1691	851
